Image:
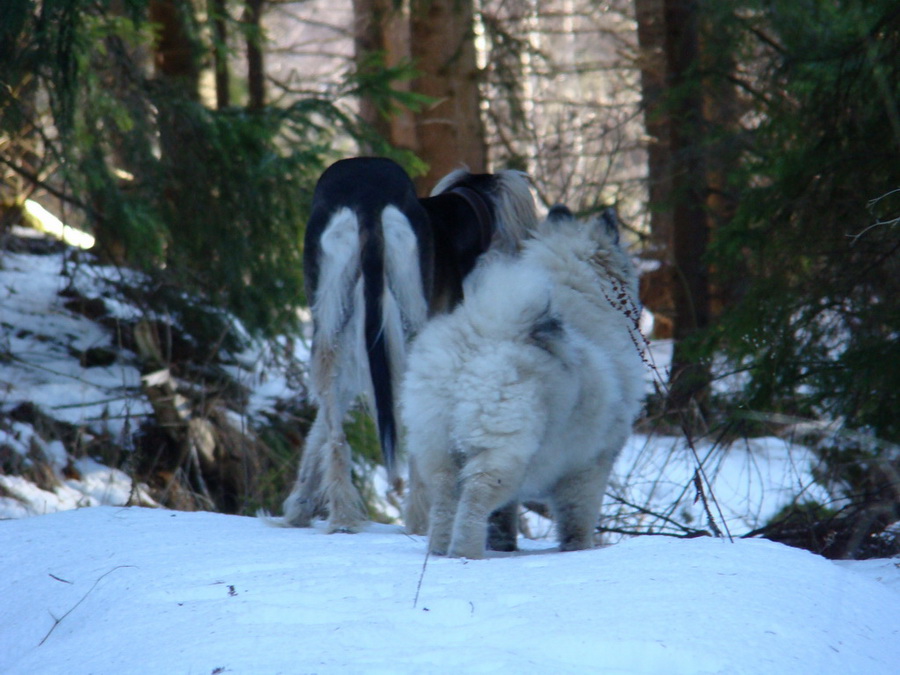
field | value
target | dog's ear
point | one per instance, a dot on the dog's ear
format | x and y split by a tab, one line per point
558	217
608	221
559	212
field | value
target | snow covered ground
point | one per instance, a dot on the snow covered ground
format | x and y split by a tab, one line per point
43	343
132	590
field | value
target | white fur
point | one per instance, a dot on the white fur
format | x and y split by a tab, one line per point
528	390
339	266
516	218
339	371
404	278
447	181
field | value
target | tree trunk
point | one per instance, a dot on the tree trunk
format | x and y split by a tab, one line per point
450	133
219	12
381	39
689	379
175	54
656	285
256	75
177	57
722	110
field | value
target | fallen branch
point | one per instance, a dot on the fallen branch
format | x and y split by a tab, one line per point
57	621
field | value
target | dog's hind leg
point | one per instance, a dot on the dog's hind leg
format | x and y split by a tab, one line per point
576	506
483	491
434	483
346	511
444	503
415	513
503	528
324	487
306	500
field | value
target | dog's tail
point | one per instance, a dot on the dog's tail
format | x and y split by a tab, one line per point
395	307
515	212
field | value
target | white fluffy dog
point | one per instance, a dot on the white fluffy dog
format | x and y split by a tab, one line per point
529	389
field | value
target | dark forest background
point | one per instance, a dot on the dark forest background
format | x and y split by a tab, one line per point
752	147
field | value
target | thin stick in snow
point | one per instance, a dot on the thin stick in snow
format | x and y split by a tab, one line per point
58	621
421	577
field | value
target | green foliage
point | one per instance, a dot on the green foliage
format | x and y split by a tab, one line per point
818	322
234	203
374	79
215	199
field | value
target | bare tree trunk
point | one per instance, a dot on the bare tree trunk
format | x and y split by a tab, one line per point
174	55
656	285
219	12
381	38
689	379
177	57
450	132
256	75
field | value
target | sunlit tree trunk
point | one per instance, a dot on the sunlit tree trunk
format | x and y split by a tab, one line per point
381	38
449	132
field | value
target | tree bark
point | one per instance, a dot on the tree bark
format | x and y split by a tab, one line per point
256	75
174	54
656	285
219	11
450	132
689	379
381	38
722	110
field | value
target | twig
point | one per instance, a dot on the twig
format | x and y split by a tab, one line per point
57	621
87	404
59	194
701	495
629	308
647	512
700	473
421	577
687	534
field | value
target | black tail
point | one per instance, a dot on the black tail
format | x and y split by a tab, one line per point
372	262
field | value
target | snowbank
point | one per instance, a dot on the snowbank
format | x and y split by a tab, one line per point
108	590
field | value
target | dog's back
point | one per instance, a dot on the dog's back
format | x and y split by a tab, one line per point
370	263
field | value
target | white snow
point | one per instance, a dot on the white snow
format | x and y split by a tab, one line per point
130	590
752	479
43	339
40	344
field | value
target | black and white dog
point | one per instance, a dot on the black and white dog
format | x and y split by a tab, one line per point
377	262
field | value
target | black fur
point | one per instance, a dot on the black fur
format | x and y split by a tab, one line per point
463	223
367	185
452	230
